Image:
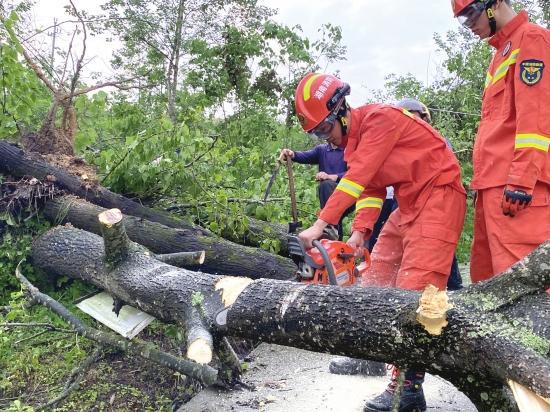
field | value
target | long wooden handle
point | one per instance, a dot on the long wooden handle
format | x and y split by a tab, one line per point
294	209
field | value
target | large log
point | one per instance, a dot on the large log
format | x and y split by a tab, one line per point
16	162
222	256
255	232
479	350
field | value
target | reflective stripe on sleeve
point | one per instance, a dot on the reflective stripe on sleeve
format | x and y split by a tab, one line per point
532	141
349	187
375	202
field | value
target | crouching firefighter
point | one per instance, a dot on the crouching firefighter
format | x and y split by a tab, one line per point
389	146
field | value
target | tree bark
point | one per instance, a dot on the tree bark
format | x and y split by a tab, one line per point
257	231
222	256
372	323
16	162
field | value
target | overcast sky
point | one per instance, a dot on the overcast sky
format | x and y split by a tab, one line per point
382	37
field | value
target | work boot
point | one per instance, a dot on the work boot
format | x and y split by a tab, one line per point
412	395
350	366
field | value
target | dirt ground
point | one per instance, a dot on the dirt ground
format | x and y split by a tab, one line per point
288	379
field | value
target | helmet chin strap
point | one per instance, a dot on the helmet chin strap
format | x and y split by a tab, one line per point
342	117
491	16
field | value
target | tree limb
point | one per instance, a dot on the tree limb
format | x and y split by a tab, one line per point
204	373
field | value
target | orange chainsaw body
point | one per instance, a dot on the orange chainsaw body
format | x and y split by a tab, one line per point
312	266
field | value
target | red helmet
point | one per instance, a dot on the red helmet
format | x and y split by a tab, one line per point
460	5
316	97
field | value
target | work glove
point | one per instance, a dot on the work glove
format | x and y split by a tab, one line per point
515	199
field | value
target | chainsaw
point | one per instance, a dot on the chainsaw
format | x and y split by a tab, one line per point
329	262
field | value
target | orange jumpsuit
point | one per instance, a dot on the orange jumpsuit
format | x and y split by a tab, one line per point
388	146
511	148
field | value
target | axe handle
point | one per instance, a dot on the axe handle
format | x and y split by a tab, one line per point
291	189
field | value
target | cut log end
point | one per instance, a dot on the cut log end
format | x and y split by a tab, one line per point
231	287
183	259
528	400
432	312
200	351
110	217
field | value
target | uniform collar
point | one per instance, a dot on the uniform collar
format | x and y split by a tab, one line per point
505	32
352	137
353	128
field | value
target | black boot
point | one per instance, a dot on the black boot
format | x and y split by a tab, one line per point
412	395
349	366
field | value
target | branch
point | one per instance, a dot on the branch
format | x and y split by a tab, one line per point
117	244
112	83
216	137
50	327
204	373
229	200
25	305
62	78
78	68
28	58
199	339
182	259
38	32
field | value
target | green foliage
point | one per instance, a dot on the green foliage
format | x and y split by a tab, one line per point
15	245
22	97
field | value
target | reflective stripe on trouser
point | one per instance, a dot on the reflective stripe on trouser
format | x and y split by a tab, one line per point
499	240
419	253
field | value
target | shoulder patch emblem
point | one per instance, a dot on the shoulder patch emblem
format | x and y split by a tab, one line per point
531	71
507	48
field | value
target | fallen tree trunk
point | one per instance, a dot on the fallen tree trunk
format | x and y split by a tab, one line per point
16	162
222	256
257	232
479	350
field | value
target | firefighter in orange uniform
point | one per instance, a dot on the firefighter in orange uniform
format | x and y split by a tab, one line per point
389	146
511	162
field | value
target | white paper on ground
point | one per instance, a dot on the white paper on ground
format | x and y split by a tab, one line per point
130	321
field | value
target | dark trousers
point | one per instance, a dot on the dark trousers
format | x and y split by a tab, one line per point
455	280
325	189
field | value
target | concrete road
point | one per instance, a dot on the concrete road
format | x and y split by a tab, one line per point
287	379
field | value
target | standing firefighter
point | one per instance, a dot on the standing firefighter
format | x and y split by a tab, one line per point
511	162
388	146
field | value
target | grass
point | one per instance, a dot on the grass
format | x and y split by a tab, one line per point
35	370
